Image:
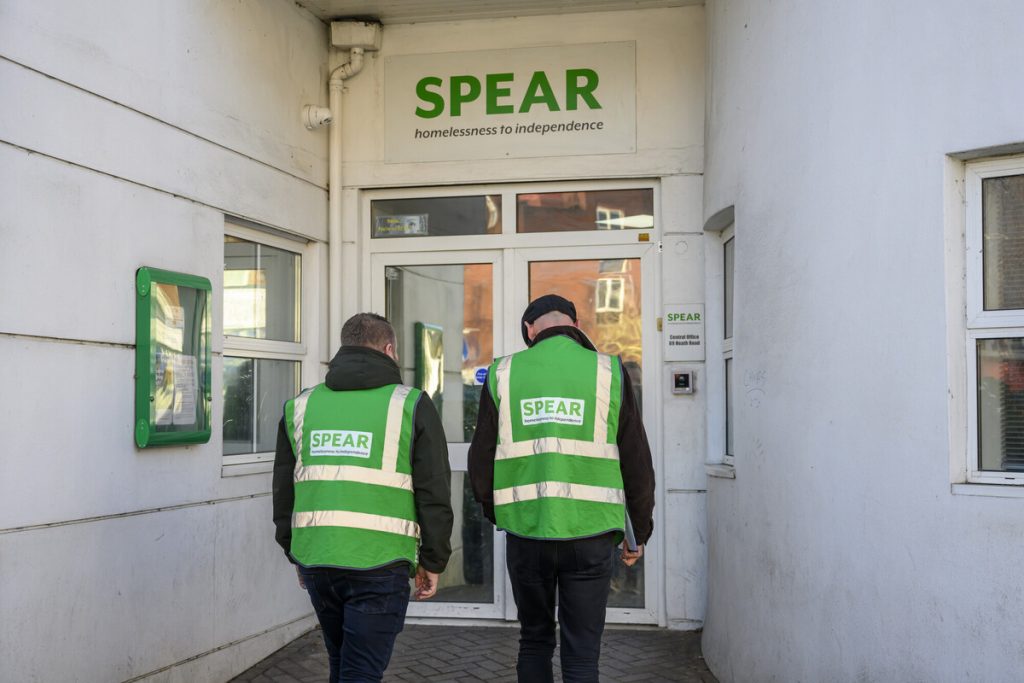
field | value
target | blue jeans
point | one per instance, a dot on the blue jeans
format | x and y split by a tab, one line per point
579	572
361	613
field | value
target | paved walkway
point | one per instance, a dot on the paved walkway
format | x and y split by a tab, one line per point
448	654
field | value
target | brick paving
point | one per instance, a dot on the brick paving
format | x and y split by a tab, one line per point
450	654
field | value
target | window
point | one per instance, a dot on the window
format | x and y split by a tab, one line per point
609	296
591	210
610	219
436	216
263	344
728	278
720	393
995	321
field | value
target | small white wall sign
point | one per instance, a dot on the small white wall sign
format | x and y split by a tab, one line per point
498	104
683	331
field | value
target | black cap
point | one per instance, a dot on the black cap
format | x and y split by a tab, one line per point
546	304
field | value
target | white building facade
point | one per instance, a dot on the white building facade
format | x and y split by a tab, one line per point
795	224
130	131
861	538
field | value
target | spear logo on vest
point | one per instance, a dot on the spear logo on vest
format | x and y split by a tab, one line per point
340	442
568	411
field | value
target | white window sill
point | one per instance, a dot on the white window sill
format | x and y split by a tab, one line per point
243	468
990	490
720	470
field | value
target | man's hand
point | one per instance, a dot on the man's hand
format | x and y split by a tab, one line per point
630	557
302	581
426	583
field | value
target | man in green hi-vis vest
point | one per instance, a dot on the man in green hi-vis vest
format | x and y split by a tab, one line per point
559	456
362	498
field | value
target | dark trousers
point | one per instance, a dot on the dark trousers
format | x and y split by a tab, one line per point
580	572
361	613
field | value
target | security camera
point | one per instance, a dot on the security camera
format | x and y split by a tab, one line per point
314	116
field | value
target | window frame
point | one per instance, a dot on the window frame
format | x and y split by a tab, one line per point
719	229
267	349
979	323
728	235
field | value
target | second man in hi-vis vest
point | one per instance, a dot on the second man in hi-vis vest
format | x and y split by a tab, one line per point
362	498
559	455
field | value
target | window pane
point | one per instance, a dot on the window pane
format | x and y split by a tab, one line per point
444	319
574	211
1001	404
1003	248
627	582
470	573
436	216
255	391
729	397
261	291
730	273
607	297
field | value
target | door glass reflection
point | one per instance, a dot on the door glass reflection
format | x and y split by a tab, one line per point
592	210
444	318
607	296
469	576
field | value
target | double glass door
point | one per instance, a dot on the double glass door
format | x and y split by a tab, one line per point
455	311
453	270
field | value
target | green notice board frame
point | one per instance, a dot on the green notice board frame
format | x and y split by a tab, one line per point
172	358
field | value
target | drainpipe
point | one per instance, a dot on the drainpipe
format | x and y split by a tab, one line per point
335	202
356	37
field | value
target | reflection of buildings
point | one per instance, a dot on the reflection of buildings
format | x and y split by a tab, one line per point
478	316
607	295
570	211
610	292
1001	404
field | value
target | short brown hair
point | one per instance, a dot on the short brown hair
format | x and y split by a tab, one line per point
367	329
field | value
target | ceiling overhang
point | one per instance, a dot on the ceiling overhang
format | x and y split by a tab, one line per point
419	11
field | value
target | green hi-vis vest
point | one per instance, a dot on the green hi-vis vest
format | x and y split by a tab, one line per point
354	505
556	466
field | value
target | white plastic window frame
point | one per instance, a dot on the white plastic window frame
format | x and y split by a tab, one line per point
718	231
268	349
982	324
728	235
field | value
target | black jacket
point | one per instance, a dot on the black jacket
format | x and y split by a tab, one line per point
634	452
357	367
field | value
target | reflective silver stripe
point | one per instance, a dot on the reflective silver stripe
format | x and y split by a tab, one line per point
604	397
362	475
505	400
553	444
355	520
558	489
298	415
393	428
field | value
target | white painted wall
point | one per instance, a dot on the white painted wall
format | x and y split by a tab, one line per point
127	131
839	553
670	132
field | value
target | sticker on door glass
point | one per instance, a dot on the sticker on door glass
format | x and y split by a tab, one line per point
401	226
556	409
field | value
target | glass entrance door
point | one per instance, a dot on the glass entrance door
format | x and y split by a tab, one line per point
453	268
446	311
611	288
